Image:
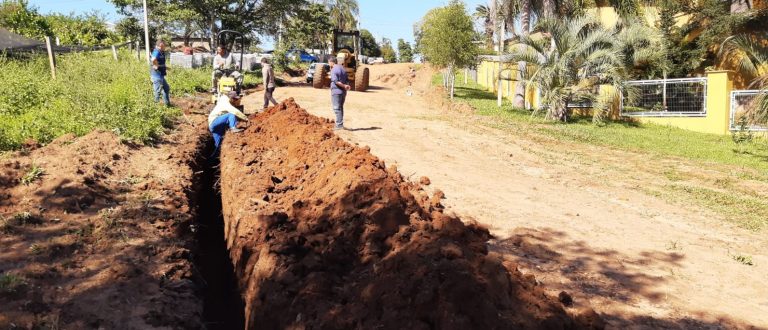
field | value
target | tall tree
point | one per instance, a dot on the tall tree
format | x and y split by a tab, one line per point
368	44
486	14
247	16
343	13
387	52
83	30
446	39
310	28
405	53
19	17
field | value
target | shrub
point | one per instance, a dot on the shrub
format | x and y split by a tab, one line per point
91	91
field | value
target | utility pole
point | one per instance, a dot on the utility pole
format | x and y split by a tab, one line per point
146	33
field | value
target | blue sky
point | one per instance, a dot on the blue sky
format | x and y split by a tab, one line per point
391	19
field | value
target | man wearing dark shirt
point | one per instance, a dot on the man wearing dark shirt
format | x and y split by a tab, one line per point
339	87
157	73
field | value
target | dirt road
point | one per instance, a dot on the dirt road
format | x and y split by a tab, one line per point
573	215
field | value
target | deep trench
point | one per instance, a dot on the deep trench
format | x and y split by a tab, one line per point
223	305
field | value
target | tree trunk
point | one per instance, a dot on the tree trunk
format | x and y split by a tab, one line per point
213	34
525	16
525	27
548	9
452	78
453	84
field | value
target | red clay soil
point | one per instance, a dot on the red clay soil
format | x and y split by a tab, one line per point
323	236
101	238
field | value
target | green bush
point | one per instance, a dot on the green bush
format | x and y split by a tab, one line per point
91	91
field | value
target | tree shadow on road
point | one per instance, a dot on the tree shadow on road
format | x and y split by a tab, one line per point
567	264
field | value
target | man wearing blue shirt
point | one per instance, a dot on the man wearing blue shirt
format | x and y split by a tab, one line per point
339	87
157	73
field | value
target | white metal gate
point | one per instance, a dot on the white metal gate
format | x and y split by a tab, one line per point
686	97
742	102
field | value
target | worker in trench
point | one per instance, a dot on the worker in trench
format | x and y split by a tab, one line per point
224	117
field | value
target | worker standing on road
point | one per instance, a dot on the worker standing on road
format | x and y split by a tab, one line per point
224	65
158	72
339	87
224	116
269	82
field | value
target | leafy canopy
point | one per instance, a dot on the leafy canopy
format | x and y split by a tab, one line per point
368	44
404	51
310	28
446	36
387	52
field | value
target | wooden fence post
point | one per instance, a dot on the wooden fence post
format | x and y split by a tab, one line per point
51	59
138	50
114	52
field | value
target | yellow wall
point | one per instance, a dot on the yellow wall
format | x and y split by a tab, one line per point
717	119
487	76
609	17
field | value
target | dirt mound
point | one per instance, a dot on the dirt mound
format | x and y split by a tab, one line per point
94	234
323	236
397	76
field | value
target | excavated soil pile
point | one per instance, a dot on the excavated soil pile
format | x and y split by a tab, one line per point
323	236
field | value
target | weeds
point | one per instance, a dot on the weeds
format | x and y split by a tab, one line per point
9	283
743	259
130	180
747	211
673	175
34	174
36	249
673	246
90	91
9	226
6	227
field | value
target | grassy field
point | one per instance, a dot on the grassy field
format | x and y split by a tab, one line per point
737	190
91	91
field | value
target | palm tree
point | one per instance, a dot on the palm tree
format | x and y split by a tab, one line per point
568	62
485	13
642	49
750	55
343	13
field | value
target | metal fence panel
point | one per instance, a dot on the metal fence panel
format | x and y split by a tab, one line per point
742	102
671	97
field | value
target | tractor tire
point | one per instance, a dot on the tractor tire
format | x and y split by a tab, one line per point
318	81
360	81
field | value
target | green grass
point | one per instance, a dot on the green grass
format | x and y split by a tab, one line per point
649	138
34	174
90	91
746	211
10	283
